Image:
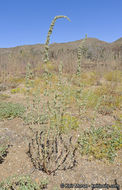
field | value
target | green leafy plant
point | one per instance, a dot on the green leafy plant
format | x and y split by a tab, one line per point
22	183
102	142
10	110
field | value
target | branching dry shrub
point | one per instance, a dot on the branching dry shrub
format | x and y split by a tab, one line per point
50	154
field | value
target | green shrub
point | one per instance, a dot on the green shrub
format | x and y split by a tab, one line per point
10	110
100	143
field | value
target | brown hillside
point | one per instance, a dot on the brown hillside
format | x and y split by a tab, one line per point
94	53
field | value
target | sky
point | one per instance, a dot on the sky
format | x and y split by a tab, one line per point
25	22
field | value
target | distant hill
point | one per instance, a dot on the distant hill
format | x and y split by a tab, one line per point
94	53
118	42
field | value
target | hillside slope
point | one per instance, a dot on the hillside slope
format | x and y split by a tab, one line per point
94	52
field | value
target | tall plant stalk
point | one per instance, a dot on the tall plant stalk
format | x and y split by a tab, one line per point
79	56
46	59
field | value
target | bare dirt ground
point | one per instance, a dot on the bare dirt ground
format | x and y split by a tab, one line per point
17	161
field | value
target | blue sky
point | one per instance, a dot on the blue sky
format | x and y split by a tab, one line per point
24	22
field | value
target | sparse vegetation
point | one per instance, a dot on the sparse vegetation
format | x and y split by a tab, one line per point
16	80
4	96
3	152
114	76
9	110
22	183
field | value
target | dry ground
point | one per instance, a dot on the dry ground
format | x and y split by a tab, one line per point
17	161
